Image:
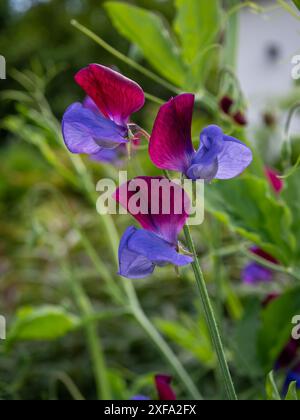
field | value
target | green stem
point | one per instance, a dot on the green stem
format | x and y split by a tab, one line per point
232	38
290	9
154	99
69	384
206	98
124	58
287	146
210	319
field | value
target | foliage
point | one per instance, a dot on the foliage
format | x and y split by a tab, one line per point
54	246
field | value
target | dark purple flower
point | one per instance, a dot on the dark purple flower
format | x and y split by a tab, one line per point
274	180
240	118
255	273
289	360
101	122
293	376
162	213
163	387
226	104
140	398
270	298
289	354
171	147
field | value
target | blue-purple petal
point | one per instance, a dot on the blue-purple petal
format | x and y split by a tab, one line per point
112	156
132	264
140	398
234	158
219	156
141	251
86	132
90	104
255	273
205	165
291	377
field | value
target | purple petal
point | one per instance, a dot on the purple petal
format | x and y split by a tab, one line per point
263	254
234	159
90	104
255	273
112	156
140	398
219	156
171	145
289	355
205	164
163	211
164	389
291	377
116	96
141	251
85	132
132	264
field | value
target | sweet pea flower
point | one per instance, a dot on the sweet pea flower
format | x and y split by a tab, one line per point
156	244
163	387
275	181
171	148
288	359
292	376
100	123
226	104
254	273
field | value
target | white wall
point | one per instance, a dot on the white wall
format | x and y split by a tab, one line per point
263	77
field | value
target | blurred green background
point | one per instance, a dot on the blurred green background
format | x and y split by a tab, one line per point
53	243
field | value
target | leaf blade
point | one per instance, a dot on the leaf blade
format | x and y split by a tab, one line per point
147	30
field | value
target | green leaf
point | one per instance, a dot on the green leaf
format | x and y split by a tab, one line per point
292	394
291	195
197	25
276	329
297	3
271	388
191	336
42	323
244	342
147	30
247	206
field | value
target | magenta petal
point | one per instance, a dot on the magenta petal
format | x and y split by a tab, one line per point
171	145
275	181
263	254
158	204
116	96
163	386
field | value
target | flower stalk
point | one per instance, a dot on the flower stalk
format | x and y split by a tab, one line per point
210	319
